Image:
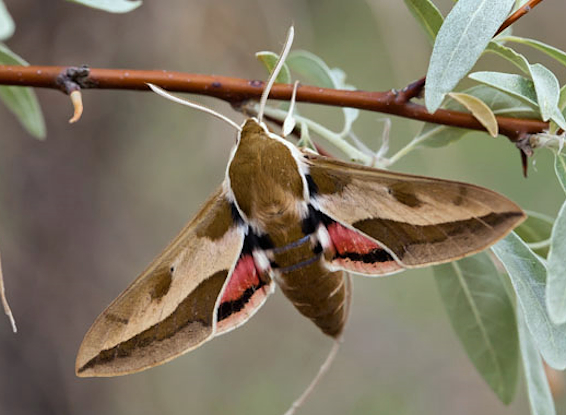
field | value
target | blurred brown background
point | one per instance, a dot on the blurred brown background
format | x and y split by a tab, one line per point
84	212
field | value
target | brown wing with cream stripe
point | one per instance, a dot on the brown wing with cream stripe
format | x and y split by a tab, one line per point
171	307
420	221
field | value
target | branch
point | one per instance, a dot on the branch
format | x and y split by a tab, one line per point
235	91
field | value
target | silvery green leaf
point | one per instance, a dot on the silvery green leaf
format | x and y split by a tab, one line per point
560	169
556	268
547	90
510	55
465	33
269	60
535	231
21	100
528	276
112	6
311	67
7	25
551	51
483	317
317	71
515	85
540	398
428	16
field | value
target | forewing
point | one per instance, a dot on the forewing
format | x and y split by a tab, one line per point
418	220
170	308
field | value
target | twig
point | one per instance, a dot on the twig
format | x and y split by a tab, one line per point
235	90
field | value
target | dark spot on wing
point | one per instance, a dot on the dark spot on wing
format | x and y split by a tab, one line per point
404	192
163	279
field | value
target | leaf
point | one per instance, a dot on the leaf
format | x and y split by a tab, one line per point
536	231
437	135
428	16
311	67
479	110
556	268
547	90
540	398
516	85
483	317
551	51
542	91
112	6
7	25
510	55
465	33
528	276
560	169
269	60
21	100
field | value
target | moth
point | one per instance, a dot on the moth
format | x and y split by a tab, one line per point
289	218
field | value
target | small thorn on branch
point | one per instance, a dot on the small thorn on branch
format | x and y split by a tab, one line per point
70	82
77	101
526	150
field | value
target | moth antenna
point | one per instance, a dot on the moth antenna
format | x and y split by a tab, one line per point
200	107
276	70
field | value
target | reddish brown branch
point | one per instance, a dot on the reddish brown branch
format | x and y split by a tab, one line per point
236	90
520	12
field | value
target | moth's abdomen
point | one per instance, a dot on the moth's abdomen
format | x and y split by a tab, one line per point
318	293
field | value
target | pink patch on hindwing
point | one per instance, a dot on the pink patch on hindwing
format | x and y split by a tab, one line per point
358	253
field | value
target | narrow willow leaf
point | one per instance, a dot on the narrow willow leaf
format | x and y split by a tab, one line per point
535	231
560	169
562	99
528	276
556	268
515	85
551	51
428	16
436	135
269	60
21	100
510	55
465	33
547	89
112	6
540	398
7	25
479	109
545	83
311	67
482	316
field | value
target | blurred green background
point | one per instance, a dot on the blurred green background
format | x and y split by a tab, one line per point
84	212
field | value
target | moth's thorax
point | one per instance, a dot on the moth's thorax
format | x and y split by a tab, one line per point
265	179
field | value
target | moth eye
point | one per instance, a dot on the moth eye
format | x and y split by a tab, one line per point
171	269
